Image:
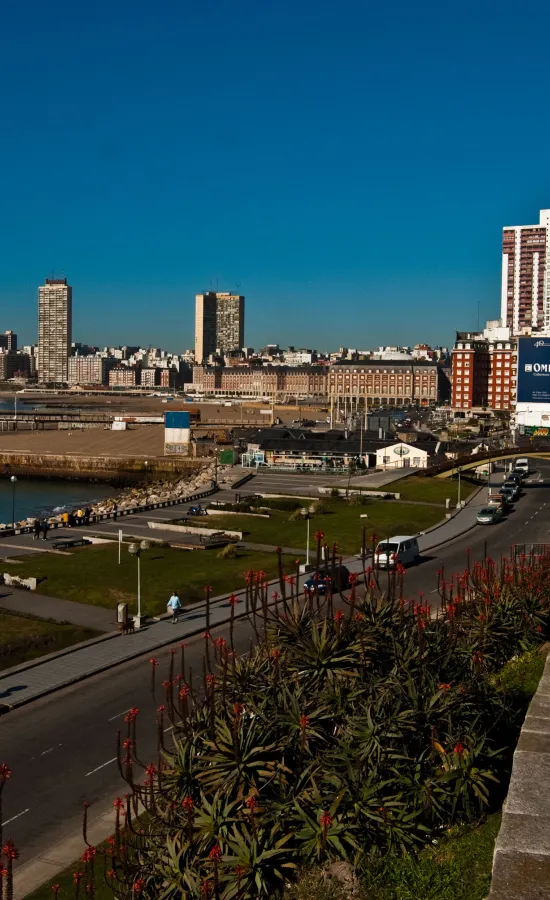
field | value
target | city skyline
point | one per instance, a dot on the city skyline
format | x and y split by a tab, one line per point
363	172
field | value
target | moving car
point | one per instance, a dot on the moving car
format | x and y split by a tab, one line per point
489	515
522	466
317	583
402	548
512	486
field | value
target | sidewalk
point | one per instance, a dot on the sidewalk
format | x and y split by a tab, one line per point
36	604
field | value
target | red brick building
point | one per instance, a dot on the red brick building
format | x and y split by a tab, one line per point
484	371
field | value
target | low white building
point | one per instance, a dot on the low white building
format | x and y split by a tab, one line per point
402	456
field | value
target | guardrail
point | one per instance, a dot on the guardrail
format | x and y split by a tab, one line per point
119	514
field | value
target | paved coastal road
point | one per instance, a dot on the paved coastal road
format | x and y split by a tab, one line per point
62	748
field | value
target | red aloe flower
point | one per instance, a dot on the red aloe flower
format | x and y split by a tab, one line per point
139	886
118	803
88	854
5	772
233	600
154	662
78	875
304	722
188	804
215	854
325	820
458	749
9	850
252	803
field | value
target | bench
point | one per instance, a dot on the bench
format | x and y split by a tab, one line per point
68	542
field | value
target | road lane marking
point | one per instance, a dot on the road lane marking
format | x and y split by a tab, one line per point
13	818
118	715
47	751
102	766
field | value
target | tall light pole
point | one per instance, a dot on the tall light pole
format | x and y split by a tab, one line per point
146	473
307	514
13	480
136	550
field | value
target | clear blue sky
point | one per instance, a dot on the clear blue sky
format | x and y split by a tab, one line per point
348	165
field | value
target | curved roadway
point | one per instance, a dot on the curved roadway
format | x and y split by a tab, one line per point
61	748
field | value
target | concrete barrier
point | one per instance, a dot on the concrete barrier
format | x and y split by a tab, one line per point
521	864
190	529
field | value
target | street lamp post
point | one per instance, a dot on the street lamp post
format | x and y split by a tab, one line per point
13	480
146	474
307	514
136	550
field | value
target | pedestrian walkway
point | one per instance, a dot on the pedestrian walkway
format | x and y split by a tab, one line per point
36	604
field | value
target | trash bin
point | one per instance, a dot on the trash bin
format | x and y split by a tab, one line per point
122	616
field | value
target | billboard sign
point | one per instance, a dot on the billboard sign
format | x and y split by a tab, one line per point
533	370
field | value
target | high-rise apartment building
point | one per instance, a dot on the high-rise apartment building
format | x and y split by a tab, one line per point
55	315
484	369
219	323
525	292
8	341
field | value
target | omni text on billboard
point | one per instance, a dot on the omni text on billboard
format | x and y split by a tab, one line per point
533	370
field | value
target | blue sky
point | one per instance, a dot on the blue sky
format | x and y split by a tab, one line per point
347	166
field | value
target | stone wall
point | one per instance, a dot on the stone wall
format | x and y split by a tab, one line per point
102	468
521	865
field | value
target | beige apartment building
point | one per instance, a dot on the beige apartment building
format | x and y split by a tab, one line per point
87	370
55	319
276	382
219	323
355	386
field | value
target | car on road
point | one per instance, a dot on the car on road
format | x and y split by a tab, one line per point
511	485
522	466
508	494
318	581
489	515
403	548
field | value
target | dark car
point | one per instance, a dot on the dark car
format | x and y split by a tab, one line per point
196	511
508	494
317	583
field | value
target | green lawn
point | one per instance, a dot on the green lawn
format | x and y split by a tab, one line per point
342	523
24	637
92	574
432	490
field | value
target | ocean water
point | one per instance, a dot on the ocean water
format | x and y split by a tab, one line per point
34	497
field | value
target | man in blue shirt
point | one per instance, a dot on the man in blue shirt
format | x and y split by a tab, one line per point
175	605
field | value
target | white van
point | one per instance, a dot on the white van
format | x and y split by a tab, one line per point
522	466
400	549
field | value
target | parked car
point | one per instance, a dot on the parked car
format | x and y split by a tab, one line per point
516	477
196	511
402	549
507	494
489	515
317	583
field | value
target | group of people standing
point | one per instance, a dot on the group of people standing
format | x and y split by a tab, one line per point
78	517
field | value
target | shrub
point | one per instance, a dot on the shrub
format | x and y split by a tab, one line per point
228	552
345	734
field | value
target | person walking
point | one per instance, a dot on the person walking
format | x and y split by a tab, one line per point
175	605
115	510
87	514
36	529
45	528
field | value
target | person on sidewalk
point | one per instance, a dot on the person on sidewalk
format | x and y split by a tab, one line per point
115	510
45	528
175	605
36	529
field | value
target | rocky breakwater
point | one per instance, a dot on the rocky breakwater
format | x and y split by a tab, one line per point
158	491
